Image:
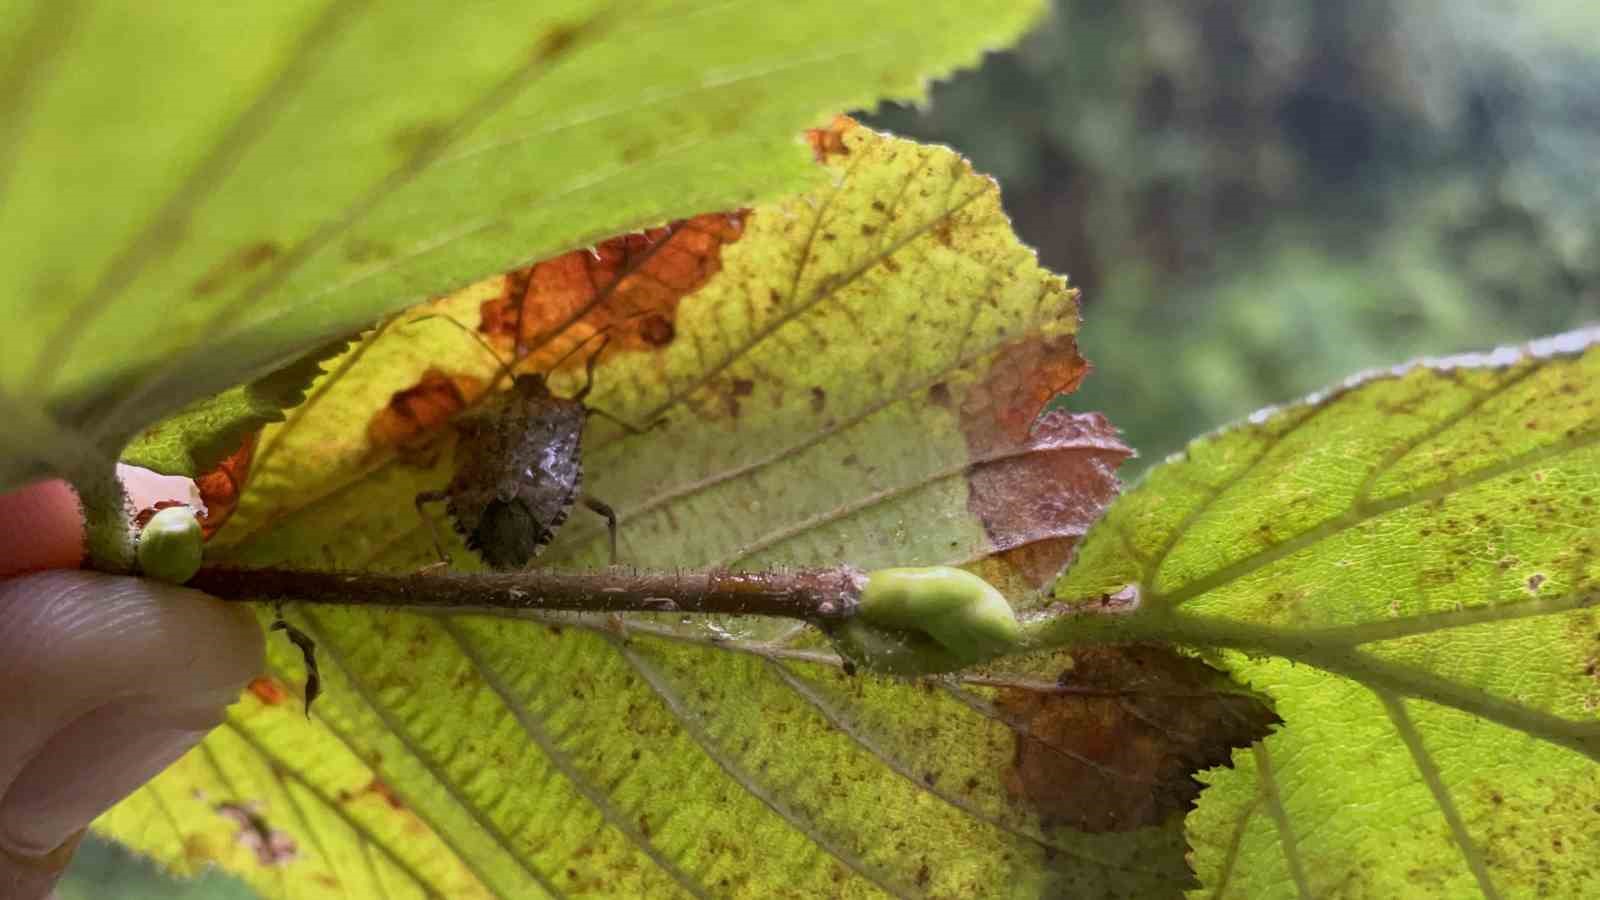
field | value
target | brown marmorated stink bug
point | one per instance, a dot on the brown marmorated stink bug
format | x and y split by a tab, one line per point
518	474
518	468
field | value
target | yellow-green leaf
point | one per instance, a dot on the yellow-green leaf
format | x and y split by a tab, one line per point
195	195
197	438
1409	565
854	384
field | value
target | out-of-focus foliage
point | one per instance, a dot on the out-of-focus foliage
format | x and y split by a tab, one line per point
102	871
1258	197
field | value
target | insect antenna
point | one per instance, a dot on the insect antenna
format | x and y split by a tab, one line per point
507	368
505	365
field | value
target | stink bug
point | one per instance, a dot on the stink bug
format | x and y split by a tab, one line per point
518	474
518	470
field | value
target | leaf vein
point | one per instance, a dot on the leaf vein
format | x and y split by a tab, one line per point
284	770
695	726
1404	448
563	763
419	161
1352	518
1441	792
1153	568
165	232
489	828
688	490
1280	816
837	719
827	290
1235	844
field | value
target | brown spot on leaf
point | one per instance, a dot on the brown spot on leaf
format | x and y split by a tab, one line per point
414	416
220	487
829	141
268	690
271	846
657	331
242	261
1037	483
418	138
1116	748
380	788
819	400
628	287
557	40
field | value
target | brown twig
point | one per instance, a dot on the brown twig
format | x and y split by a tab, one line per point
809	594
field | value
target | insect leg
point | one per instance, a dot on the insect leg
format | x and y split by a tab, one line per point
611	521
588	383
308	651
626	426
588	369
423	499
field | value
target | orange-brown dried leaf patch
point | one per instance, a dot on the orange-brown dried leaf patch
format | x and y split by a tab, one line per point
1037	483
377	787
1026	376
269	691
628	287
1115	747
220	487
414	417
1038	496
829	141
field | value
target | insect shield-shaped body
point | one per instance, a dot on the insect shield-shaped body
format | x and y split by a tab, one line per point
519	470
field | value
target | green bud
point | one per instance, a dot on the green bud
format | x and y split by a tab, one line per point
170	546
917	621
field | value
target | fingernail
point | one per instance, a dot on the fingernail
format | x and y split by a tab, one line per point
88	766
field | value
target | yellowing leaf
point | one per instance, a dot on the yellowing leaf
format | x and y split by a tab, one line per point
206	432
816	400
195	195
1409	565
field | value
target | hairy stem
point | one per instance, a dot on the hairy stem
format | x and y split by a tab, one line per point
811	594
108	533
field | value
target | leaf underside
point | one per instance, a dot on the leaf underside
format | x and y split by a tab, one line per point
817	401
1409	566
195	196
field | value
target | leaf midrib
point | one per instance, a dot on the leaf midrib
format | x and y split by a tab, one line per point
1365	513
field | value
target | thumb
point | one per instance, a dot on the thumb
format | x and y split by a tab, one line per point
108	681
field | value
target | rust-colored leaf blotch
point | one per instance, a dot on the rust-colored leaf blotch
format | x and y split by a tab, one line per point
413	417
1036	482
829	141
269	691
220	487
628	287
1117	746
1026	376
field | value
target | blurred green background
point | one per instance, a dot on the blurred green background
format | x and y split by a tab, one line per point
1258	198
